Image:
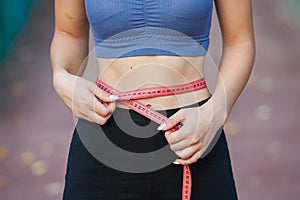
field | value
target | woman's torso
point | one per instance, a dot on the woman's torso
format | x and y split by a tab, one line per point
143	69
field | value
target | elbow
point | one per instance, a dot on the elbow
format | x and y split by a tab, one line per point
244	42
245	47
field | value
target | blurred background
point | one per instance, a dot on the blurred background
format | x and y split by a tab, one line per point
36	128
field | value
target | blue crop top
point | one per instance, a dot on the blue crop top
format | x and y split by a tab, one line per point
150	27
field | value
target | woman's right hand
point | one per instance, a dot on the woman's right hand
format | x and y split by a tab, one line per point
82	97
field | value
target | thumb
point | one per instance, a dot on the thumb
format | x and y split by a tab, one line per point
104	96
171	122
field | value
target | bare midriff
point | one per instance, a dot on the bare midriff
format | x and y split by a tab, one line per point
131	73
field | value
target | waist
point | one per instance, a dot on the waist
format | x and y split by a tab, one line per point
139	72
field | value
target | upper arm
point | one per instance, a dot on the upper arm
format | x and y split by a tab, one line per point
70	18
235	17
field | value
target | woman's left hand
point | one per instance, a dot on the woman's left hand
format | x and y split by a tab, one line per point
200	125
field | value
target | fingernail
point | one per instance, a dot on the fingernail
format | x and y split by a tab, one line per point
113	97
176	163
161	127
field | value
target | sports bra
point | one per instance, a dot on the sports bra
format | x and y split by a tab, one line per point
123	28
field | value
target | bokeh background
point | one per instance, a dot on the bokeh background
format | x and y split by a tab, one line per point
36	128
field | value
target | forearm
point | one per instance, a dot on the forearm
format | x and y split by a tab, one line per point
68	52
235	18
67	57
234	71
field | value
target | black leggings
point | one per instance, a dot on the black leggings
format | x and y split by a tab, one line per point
89	179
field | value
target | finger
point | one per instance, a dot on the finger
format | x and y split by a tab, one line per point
178	145
97	118
101	109
86	117
189	151
175	137
172	121
102	95
111	106
103	120
194	158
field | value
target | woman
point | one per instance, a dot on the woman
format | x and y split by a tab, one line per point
201	115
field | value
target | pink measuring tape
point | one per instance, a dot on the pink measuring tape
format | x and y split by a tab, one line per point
129	99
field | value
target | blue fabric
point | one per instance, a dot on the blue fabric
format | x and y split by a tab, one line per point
150	27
